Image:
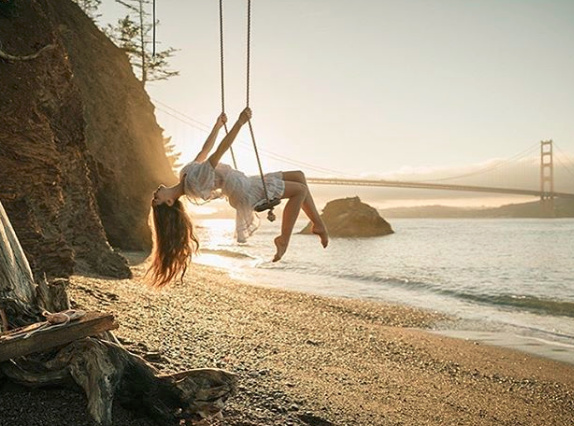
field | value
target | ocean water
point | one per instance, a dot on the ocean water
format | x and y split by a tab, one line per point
504	279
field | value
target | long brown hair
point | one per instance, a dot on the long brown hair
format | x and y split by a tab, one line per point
173	243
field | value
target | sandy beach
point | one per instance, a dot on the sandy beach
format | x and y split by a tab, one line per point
309	360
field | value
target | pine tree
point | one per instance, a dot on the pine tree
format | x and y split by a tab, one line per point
171	154
132	34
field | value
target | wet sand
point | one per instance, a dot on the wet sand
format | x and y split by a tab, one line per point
310	360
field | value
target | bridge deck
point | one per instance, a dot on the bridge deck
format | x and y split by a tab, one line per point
421	185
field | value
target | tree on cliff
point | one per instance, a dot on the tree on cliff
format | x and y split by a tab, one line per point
172	155
132	34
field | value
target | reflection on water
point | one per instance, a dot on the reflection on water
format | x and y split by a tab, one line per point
506	273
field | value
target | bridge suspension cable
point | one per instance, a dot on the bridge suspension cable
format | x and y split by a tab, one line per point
568	168
490	168
185	119
194	123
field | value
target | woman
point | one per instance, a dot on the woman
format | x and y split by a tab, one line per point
206	178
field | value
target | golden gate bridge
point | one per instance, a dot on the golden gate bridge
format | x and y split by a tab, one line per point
546	176
546	190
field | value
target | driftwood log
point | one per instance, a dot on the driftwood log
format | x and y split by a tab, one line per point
41	336
98	365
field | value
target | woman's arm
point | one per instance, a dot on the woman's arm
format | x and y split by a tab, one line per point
210	141
244	117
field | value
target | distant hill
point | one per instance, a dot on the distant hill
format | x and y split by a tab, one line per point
563	208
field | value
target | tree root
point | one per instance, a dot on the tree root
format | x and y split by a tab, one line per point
106	371
8	57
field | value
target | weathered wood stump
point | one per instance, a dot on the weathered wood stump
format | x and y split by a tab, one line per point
103	369
41	336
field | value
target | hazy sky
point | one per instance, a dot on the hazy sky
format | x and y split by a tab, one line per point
373	86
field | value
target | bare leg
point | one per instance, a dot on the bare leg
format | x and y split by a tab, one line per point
295	193
309	207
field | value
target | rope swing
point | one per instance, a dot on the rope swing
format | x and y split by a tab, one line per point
267	204
223	76
153	26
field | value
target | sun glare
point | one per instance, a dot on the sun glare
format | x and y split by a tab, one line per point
215	233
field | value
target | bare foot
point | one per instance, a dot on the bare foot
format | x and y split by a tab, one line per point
281	248
322	233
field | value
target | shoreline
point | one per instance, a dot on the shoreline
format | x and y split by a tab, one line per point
516	337
556	351
312	360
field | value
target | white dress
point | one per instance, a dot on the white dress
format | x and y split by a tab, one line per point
243	192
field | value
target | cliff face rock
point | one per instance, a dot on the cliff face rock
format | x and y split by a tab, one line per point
80	150
122	134
349	217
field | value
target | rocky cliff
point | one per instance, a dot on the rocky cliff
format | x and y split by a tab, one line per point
350	217
80	149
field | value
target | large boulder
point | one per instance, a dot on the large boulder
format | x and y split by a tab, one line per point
350	217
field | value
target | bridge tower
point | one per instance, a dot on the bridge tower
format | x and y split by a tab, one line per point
547	178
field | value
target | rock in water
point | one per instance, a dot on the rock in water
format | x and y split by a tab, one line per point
350	217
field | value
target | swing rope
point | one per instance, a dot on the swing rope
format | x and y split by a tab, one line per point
269	203
221	56
248	61
153	25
